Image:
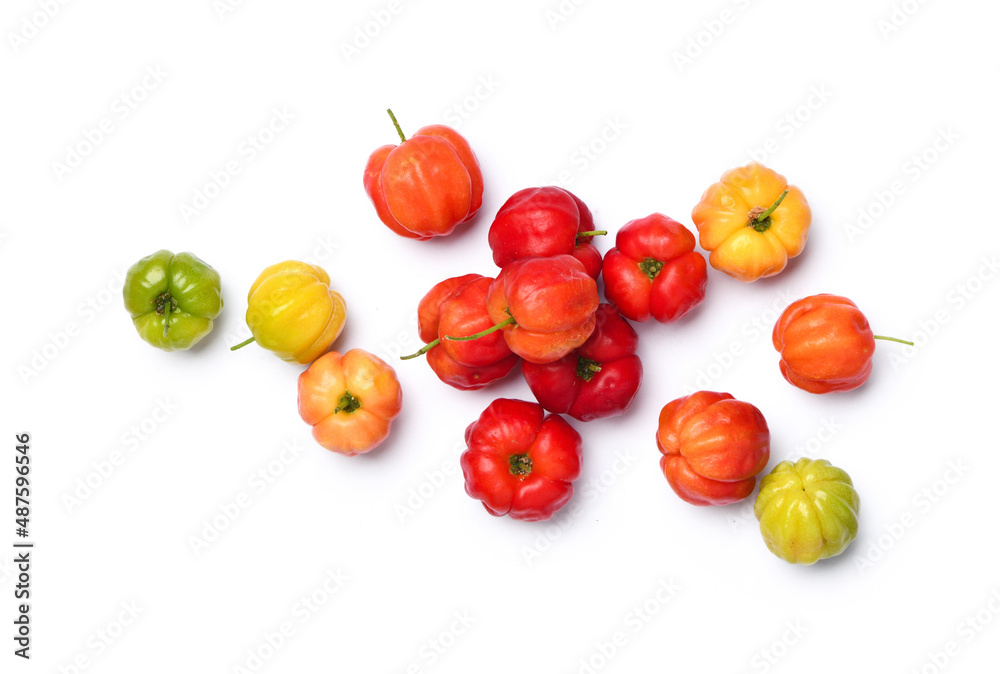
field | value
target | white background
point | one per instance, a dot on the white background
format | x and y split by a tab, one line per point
851	101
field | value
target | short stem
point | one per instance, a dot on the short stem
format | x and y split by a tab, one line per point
402	138
166	318
347	403
651	267
427	347
894	339
590	234
520	464
587	368
488	331
241	344
164	303
760	221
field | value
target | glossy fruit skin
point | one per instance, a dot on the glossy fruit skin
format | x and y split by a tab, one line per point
542	222
520	461
350	400
293	312
713	447
825	344
429	307
723	220
654	272
427	185
808	510
599	379
173	299
457	306
553	302
465	378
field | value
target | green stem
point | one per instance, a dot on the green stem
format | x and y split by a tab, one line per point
166	319
777	202
347	403
488	331
651	267
241	344
468	338
427	347
894	339
760	220
520	464
164	303
587	368
591	234
402	138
